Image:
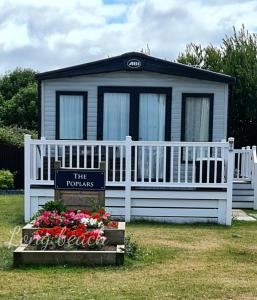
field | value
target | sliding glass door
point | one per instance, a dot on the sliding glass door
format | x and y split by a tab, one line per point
152	117
144	113
152	112
116	116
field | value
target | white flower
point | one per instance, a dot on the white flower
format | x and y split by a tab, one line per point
92	222
84	220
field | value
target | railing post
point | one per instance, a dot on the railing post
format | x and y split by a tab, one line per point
27	169
243	163
43	148
254	177
248	166
230	176
128	179
253	155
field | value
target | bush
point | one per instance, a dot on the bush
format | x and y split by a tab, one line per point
131	248
6	180
14	135
54	205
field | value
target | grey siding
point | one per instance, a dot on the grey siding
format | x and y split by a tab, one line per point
179	85
243	195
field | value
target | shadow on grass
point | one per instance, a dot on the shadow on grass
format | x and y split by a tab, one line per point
211	225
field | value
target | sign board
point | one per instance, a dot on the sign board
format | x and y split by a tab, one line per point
134	63
79	180
80	188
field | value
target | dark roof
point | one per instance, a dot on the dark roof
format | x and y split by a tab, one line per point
135	61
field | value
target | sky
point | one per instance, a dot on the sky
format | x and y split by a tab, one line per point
49	34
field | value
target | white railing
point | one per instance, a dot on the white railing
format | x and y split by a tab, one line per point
254	176
245	170
163	164
75	154
243	164
179	164
134	164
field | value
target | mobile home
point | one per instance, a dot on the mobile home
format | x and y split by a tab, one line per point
160	126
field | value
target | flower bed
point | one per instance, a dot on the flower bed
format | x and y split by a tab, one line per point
74	217
114	234
73	245
114	231
77	237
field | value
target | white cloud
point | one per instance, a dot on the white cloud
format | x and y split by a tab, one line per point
9	40
47	34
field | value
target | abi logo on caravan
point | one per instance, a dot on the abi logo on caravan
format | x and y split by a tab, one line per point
134	63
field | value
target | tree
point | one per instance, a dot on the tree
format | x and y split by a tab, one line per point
18	99
21	109
236	56
13	81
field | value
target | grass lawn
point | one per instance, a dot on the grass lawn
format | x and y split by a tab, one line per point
179	262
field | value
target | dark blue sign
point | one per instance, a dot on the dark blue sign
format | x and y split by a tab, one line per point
80	180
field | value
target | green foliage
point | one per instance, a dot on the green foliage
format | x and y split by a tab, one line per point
21	109
6	180
12	82
18	99
236	56
54	205
14	135
131	248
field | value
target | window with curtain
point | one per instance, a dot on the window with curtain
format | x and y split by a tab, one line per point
71	117
116	116
197	119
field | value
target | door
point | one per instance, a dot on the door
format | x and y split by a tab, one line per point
116	116
152	112
115	128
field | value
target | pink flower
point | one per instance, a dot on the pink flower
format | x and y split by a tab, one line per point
78	216
36	237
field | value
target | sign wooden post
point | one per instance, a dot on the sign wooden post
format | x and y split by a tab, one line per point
80	188
57	166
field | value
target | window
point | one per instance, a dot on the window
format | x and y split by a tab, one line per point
142	112
197	117
71	115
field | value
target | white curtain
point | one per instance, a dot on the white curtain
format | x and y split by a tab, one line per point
151	128
116	116
197	119
152	117
71	117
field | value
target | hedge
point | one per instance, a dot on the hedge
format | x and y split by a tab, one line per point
14	135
